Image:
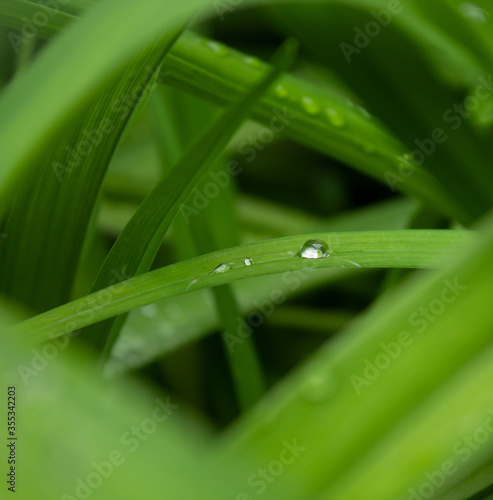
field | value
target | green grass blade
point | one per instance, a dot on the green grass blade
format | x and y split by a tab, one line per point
406	417
319	119
106	434
45	254
83	71
393	249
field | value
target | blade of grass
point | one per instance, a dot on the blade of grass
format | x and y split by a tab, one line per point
45	254
79	59
97	427
335	128
145	339
407	415
378	249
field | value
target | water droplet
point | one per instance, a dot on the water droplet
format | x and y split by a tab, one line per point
334	117
309	105
191	284
474	13
217	48
314	249
252	61
248	262
148	311
281	91
318	387
222	268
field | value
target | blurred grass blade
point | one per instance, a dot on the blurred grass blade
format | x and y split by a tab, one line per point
79	59
108	452
320	119
45	254
399	249
137	245
406	413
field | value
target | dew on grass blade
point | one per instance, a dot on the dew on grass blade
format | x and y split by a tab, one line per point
334	117
217	48
309	105
314	249
281	91
222	268
248	262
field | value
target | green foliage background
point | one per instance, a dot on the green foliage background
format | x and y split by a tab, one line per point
162	165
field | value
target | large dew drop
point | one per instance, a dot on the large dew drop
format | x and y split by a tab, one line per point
314	249
222	268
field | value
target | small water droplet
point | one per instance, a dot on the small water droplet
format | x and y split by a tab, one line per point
281	91
191	284
252	61
148	311
309	105
334	117
217	48
474	13
317	388
248	262
314	249
222	268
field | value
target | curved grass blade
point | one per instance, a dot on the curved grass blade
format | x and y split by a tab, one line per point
144	339
319	119
95	425
408	414
378	249
79	59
